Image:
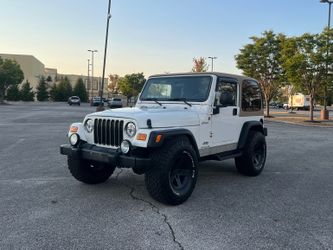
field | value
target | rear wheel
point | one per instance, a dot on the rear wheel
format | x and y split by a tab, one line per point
89	172
252	162
174	174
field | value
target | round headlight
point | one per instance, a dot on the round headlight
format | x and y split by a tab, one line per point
130	129
74	139
89	125
125	146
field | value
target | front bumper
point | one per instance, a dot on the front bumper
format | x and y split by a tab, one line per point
106	155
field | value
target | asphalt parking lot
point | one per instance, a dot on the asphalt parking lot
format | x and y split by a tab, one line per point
289	206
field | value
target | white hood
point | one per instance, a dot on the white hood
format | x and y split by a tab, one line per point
160	117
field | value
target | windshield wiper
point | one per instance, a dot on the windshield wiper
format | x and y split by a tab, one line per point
181	99
152	99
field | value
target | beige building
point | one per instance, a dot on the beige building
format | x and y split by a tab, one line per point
33	68
48	72
92	89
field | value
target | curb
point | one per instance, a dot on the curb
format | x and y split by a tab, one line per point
299	124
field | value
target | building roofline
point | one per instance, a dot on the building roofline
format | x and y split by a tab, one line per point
26	55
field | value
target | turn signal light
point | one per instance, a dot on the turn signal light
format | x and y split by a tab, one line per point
141	137
158	138
73	129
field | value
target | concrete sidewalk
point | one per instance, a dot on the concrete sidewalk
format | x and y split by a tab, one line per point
299	117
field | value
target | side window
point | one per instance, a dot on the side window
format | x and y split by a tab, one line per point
251	96
226	92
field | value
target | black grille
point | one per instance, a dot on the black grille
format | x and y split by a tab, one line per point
108	132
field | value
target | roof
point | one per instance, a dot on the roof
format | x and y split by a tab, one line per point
17	57
220	74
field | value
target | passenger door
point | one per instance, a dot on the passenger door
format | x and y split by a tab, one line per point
226	126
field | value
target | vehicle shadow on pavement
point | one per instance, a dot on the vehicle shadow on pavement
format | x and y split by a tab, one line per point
211	175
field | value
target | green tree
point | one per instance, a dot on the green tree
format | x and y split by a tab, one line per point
113	86
305	65
261	60
326	36
13	93
10	74
199	65
64	90
80	90
49	79
53	92
131	85
26	92
42	92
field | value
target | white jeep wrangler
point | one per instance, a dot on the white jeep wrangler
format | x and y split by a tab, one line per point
178	120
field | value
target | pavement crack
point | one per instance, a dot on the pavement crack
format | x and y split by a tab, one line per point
117	176
153	207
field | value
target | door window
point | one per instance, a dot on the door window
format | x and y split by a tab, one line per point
251	96
226	92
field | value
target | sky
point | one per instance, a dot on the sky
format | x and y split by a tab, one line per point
149	36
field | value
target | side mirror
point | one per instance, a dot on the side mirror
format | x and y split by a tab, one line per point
226	99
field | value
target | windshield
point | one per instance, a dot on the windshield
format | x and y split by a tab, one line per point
181	88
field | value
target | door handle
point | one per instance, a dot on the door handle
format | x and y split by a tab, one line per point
234	111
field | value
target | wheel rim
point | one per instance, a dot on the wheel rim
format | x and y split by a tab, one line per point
259	155
182	173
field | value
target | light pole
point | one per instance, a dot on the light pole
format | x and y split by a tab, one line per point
324	113
92	69
88	80
213	58
105	51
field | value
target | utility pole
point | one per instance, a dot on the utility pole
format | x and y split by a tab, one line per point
213	58
100	107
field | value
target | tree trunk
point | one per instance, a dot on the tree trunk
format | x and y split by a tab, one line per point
2	95
267	107
311	105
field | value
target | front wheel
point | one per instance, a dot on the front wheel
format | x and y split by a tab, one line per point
89	172
253	159
174	174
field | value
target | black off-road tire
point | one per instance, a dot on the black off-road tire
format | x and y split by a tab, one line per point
253	159
89	172
173	176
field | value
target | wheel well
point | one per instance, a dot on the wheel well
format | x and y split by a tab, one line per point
190	137
257	128
247	128
171	134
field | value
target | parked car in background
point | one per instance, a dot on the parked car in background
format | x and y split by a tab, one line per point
74	100
276	105
286	106
115	103
95	101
